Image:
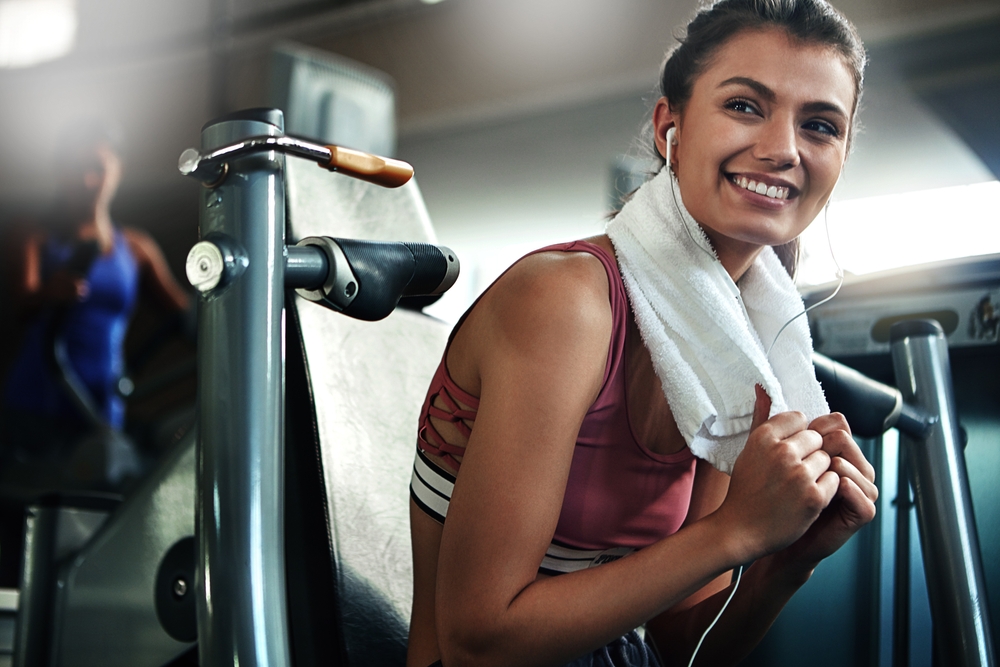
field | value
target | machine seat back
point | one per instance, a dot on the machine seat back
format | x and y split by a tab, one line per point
353	394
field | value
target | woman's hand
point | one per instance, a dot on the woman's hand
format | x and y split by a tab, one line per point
854	503
781	482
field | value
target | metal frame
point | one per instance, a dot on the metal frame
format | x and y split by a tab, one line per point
242	268
935	464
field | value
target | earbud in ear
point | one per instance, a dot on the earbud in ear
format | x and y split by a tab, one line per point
671	141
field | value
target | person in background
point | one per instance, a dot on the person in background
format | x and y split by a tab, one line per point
79	280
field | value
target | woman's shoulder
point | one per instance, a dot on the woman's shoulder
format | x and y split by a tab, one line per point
553	300
143	247
546	322
570	277
138	240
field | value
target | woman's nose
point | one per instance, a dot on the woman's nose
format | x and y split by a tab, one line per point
777	143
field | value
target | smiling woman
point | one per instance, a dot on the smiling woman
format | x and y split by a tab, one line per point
606	439
769	147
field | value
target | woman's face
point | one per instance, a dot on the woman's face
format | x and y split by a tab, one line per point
761	141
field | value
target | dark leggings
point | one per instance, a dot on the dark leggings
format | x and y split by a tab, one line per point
627	651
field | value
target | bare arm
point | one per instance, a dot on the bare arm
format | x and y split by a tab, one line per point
542	346
154	270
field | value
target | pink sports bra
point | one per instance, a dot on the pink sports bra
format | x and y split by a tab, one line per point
620	496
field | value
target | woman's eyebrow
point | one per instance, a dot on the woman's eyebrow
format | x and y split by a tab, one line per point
771	96
824	107
757	86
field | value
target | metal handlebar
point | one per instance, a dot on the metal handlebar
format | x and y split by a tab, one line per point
211	168
871	408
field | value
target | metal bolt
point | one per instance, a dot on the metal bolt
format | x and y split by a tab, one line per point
204	266
188	161
180	587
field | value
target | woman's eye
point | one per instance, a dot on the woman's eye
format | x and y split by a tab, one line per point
742	106
823	127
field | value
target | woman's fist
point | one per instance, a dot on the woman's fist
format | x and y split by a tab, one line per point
780	483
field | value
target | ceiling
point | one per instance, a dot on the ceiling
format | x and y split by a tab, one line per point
164	68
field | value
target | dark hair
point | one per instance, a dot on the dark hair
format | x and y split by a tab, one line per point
810	21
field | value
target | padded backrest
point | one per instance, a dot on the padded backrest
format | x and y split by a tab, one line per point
366	383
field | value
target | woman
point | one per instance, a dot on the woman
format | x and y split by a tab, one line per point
80	277
570	442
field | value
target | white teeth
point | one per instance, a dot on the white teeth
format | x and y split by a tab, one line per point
773	191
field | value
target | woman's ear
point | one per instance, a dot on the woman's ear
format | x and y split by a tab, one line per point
663	120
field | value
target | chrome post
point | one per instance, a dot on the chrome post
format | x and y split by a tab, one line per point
948	537
239	269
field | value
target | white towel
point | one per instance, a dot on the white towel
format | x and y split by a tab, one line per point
703	332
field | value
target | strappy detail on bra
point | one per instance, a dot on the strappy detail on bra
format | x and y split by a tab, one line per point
430	440
445	388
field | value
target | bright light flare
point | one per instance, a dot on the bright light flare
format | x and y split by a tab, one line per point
36	31
891	231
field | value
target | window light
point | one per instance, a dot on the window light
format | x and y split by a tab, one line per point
36	31
892	231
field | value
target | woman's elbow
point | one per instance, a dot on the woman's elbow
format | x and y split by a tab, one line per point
469	639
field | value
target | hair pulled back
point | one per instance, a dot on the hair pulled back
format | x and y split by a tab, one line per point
809	21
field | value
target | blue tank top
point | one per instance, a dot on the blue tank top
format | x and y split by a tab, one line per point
94	333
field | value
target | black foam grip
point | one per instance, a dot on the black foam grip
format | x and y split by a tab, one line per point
387	271
430	267
383	271
868	405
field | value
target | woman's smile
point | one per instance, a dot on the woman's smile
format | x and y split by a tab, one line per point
764	186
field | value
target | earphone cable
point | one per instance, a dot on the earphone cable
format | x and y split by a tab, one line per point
840	283
736	584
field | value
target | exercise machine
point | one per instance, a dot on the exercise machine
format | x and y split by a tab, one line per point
277	534
198	550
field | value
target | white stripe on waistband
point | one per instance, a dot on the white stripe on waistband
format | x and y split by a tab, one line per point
432	487
560	559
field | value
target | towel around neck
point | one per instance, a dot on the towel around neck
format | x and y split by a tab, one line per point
708	336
